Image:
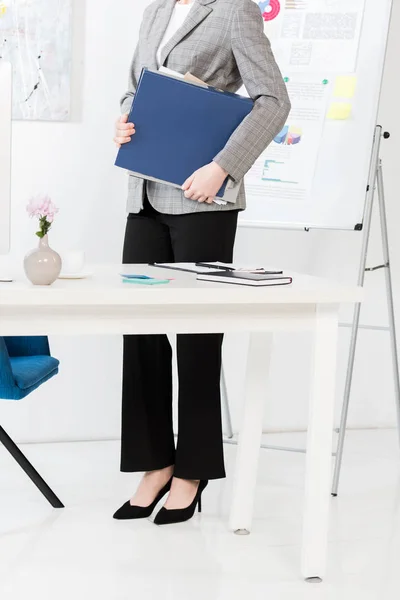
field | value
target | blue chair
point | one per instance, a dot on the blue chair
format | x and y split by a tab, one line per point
25	363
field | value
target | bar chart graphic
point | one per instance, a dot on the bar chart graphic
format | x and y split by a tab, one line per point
296	4
275	171
289	136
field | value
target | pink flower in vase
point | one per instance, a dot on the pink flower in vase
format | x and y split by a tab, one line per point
45	210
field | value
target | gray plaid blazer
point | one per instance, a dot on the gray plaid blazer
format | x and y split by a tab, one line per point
223	43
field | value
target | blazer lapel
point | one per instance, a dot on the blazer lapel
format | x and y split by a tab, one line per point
199	11
160	22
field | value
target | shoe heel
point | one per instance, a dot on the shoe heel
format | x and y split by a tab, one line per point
179	515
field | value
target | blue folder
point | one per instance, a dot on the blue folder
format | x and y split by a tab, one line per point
180	127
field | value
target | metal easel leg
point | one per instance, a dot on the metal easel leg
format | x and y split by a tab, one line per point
225	405
389	290
372	180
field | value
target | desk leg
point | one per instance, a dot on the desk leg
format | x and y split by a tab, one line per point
319	444
250	433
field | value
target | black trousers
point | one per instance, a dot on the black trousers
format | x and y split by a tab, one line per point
147	431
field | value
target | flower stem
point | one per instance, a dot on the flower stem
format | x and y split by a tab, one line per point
44	226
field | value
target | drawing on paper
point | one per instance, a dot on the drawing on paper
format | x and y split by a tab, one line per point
270	9
289	136
296	4
35	36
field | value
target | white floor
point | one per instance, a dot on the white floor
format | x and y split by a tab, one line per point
82	553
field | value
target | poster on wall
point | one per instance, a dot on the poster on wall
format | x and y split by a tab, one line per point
314	35
285	171
35	36
311	40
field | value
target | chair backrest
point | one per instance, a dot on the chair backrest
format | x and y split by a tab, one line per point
7	382
27	346
13	349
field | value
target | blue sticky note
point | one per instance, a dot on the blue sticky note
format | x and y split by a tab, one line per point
145	281
136	276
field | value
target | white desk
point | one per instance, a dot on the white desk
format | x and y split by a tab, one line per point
104	305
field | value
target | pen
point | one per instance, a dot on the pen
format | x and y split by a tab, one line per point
219	267
262	272
148	281
130	276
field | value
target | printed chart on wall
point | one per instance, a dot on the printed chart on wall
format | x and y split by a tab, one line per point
324	51
314	35
286	169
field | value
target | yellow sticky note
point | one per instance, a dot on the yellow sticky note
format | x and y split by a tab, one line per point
345	86
339	111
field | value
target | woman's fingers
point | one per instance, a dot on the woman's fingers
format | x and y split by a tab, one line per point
122	140
124	135
125	127
188	183
122	123
192	194
123	130
203	185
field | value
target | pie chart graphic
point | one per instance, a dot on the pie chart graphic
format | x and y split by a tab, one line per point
270	9
289	136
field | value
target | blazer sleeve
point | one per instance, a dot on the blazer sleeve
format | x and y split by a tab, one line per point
264	83
127	98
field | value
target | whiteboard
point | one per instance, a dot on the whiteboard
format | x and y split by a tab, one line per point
340	161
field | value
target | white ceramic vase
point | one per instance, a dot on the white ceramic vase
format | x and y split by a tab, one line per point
42	265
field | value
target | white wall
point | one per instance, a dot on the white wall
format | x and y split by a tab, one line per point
73	162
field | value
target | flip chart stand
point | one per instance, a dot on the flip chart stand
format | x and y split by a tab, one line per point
375	182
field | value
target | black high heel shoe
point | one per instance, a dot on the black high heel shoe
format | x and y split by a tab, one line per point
179	515
129	511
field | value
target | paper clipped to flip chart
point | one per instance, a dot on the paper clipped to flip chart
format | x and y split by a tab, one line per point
345	86
339	111
285	170
311	36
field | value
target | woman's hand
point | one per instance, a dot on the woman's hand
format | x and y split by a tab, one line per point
205	183
123	131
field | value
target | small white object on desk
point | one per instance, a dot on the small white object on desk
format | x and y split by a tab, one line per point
79	275
6	269
73	265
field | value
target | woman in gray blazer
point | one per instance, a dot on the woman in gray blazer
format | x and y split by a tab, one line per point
223	43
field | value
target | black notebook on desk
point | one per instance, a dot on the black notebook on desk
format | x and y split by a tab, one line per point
240	278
